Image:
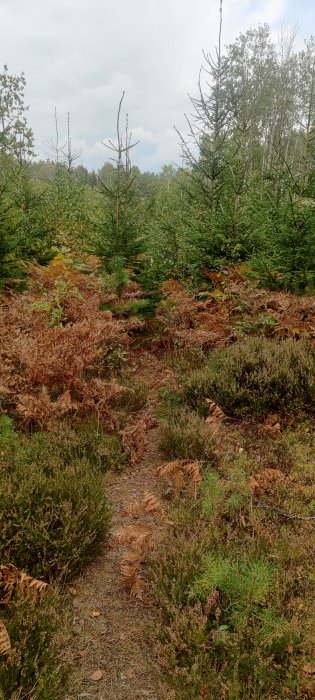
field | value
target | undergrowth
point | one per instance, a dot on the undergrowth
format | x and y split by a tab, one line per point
234	577
184	435
53	511
35	670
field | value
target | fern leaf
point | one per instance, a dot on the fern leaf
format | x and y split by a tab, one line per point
5	644
18	582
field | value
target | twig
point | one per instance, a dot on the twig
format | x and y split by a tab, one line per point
286	515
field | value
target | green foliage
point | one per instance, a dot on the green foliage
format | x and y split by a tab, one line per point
85	441
242	583
134	398
35	671
119	235
226	498
144	308
264	324
184	435
172	401
53	510
53	308
256	377
286	259
16	137
115	358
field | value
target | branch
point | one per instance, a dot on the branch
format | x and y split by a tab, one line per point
290	516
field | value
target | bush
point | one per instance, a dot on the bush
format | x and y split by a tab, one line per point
185	436
34	671
256	377
53	512
84	440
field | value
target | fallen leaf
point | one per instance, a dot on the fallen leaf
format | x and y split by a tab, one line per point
128	674
97	675
95	613
309	667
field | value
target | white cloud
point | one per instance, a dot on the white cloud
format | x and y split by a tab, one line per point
79	55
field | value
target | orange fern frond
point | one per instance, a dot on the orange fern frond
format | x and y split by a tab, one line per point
5	643
134	440
18	582
176	472
130	534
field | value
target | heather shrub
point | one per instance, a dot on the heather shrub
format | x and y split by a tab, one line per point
134	398
256	377
53	511
35	671
83	440
185	436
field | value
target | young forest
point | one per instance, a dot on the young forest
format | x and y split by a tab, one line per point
157	381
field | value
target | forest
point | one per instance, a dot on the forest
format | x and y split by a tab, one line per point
157	383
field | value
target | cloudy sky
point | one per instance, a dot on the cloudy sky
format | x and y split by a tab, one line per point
79	55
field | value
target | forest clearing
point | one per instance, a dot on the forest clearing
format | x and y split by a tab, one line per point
157	383
203	545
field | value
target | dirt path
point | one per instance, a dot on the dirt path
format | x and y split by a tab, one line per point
120	641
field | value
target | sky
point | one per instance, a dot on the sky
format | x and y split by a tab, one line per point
78	56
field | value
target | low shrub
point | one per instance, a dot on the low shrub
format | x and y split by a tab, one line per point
84	440
134	398
35	671
226	498
223	628
256	377
186	436
53	511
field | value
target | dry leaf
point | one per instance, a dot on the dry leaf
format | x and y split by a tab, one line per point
176	471
129	674
134	440
95	613
138	587
216	415
16	581
152	506
97	675
134	509
309	667
5	644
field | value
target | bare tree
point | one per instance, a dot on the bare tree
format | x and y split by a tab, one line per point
63	154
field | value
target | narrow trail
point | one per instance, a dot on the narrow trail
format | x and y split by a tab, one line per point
120	641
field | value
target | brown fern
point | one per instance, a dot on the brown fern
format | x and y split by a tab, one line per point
176	471
134	509
215	414
16	582
47	372
138	587
131	561
5	644
131	534
134	440
152	506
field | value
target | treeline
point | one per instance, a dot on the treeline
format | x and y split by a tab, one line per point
245	190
